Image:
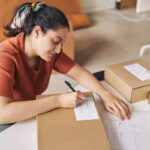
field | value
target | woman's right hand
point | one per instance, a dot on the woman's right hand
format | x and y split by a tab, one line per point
71	100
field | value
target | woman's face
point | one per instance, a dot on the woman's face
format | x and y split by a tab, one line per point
47	45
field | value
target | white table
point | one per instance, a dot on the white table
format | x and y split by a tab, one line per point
20	136
23	135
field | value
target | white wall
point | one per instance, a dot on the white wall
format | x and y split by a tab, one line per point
95	5
142	6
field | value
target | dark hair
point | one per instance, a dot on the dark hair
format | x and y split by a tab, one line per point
32	14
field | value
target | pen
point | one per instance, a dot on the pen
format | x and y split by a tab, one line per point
70	86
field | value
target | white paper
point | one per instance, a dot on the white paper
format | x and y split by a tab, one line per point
86	111
141	106
133	134
138	71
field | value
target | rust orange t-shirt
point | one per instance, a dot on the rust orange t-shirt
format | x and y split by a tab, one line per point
17	79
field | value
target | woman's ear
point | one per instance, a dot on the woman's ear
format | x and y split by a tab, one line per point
37	31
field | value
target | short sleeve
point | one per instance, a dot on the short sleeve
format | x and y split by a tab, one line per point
63	63
6	77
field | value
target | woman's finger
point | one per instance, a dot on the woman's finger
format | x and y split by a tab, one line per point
81	96
122	110
112	111
118	111
126	107
79	101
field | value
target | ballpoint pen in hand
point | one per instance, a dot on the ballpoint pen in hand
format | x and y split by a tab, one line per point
70	86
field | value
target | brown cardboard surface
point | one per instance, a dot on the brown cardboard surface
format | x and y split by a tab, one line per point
127	84
128	4
148	96
59	130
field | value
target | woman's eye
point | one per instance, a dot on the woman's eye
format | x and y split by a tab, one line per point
55	42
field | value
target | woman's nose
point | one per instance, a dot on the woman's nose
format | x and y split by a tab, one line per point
58	48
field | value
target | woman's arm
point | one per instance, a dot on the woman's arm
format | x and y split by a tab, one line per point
112	104
11	111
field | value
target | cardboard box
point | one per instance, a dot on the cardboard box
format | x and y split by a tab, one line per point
59	130
127	84
128	4
123	4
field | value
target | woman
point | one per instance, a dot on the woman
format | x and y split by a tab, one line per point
37	33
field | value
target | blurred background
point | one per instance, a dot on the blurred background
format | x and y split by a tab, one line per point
104	32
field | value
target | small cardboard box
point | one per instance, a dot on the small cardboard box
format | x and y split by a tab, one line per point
128	4
59	130
126	82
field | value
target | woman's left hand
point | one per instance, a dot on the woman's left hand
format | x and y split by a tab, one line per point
117	107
